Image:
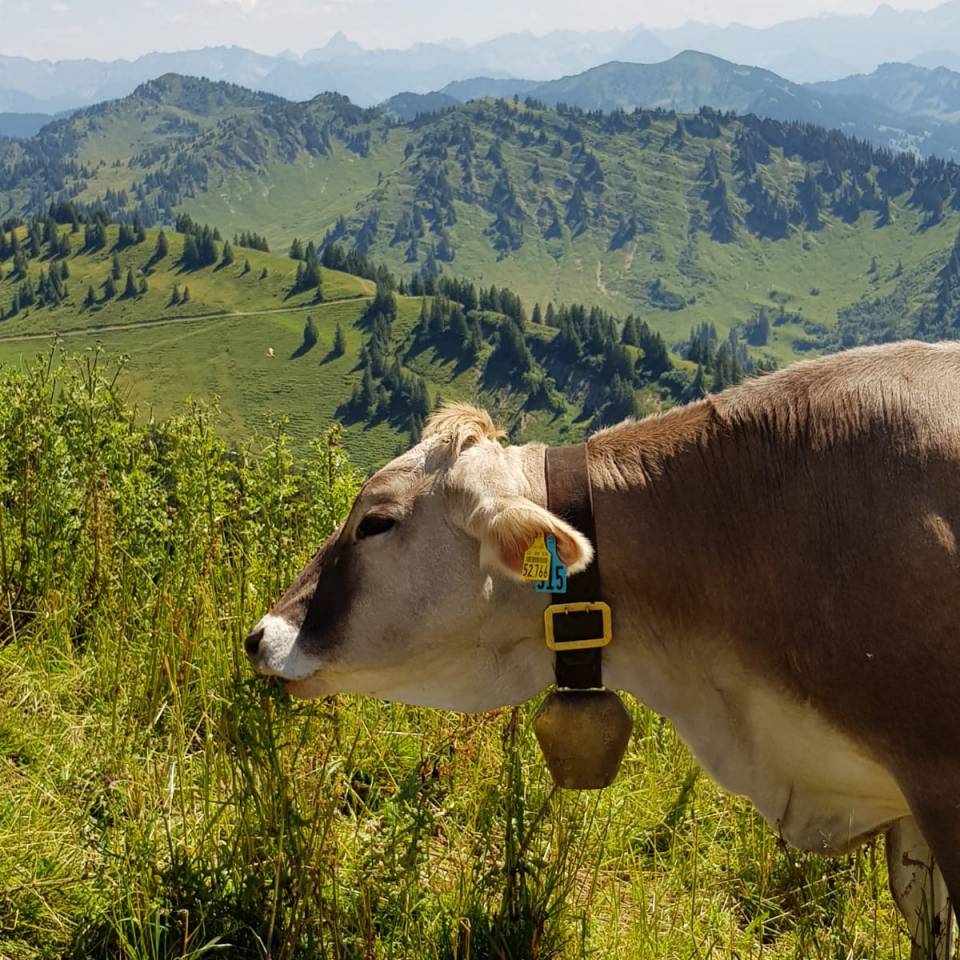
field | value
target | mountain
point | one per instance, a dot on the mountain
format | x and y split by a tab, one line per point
905	88
683	218
887	108
339	45
829	46
366	76
405	107
478	87
29	86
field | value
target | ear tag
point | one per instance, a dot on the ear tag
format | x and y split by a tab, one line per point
557	581
536	561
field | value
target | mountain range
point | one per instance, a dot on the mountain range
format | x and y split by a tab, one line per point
898	106
806	50
685	218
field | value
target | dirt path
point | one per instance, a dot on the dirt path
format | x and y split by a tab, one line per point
168	321
601	286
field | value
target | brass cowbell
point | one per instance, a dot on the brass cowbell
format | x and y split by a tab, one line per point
583	735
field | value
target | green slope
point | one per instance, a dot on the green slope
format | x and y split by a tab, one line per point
214	289
237	343
558	205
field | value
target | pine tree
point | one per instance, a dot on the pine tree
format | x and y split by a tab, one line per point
142	287
130	288
310	333
162	248
191	254
296	249
227	258
339	342
115	272
207	247
186	295
175	295
109	288
91	298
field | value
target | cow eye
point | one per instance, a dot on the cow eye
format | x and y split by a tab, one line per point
373	524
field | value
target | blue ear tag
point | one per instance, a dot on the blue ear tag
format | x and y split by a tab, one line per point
557	582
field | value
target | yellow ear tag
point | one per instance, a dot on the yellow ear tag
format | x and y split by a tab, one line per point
536	561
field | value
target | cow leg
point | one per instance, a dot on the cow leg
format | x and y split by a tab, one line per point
920	891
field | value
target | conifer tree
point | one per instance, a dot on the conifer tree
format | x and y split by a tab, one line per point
91	298
115	272
130	288
227	258
339	342
191	254
162	248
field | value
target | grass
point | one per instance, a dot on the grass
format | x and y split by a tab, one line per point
215	289
158	802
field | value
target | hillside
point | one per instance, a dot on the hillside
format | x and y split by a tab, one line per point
899	107
906	88
269	338
703	218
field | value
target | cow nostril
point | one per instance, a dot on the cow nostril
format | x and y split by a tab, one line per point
252	643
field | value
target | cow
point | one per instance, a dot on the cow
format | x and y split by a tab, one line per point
781	560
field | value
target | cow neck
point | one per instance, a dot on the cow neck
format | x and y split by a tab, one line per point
567	477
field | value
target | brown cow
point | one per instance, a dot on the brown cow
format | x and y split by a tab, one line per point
782	563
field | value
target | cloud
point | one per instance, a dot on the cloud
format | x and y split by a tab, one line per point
59	8
246	5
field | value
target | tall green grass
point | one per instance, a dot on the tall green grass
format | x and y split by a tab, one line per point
156	801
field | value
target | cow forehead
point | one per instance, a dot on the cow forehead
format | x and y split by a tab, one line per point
401	479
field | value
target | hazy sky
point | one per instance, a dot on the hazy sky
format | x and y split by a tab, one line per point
106	29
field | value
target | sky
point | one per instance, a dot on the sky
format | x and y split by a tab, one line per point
110	29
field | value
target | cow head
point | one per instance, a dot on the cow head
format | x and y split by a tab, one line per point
417	597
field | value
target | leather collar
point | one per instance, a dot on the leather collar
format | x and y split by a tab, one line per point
569	496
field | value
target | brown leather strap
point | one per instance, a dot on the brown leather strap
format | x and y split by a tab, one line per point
569	497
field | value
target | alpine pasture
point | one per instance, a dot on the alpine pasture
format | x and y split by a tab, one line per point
157	801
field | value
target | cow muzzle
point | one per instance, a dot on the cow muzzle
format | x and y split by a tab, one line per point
273	650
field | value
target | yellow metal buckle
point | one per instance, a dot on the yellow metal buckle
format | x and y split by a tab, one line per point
556	609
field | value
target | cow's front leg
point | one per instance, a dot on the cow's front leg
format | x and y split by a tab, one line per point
920	892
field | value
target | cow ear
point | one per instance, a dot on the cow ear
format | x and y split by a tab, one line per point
508	528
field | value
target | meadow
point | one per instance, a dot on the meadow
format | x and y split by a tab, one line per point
157	801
